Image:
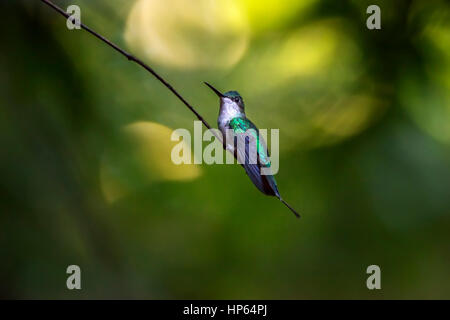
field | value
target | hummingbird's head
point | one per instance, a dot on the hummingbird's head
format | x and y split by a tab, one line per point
230	98
235	97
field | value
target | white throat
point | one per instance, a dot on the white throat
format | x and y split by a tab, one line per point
228	110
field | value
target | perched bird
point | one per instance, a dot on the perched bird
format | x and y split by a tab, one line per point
246	143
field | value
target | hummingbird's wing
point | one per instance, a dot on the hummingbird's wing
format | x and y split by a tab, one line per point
251	152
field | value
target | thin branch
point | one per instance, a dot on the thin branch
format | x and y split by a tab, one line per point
136	60
146	67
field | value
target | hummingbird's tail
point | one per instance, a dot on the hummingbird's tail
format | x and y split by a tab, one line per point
290	208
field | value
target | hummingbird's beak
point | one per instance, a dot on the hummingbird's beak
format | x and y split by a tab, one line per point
215	90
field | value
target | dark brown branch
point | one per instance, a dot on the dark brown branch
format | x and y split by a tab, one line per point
136	60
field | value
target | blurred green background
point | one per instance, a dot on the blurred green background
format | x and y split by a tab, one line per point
86	175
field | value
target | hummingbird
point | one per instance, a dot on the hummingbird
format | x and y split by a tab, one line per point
232	119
